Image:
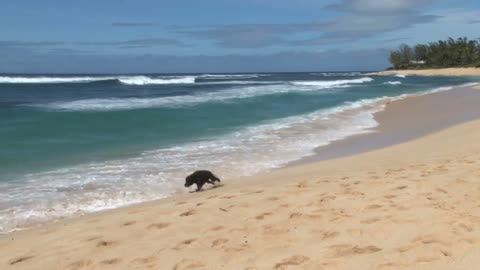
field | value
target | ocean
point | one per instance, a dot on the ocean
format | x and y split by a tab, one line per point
74	144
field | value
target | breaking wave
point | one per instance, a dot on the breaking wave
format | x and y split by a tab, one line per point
143	80
333	83
109	104
393	83
20	80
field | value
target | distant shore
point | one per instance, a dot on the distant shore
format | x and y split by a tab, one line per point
432	72
413	205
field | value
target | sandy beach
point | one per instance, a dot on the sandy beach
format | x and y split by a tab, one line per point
433	72
411	205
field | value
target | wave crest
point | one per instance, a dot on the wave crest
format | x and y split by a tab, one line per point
143	80
5	79
112	104
333	83
393	82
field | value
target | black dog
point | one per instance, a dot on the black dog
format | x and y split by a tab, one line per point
200	178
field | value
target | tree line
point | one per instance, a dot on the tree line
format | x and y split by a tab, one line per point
461	52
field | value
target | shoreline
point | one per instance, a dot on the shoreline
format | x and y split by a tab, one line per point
375	214
406	119
431	72
383	135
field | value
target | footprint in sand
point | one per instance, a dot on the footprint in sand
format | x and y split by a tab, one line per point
404	248
217	228
144	260
291	261
128	223
187	264
324	235
188	213
295	215
20	259
441	190
105	243
429	240
79	264
348	250
301	185
237	249
370	220
465	227
184	243
374	206
111	261
262	216
219	242
158	226
92	238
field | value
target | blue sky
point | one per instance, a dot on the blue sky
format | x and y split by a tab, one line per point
127	36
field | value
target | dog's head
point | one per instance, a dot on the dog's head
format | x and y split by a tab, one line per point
189	181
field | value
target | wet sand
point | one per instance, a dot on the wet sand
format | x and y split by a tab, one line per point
412	205
405	119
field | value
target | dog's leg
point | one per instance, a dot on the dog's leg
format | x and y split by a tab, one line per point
199	186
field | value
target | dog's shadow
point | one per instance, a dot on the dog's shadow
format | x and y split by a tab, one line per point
207	189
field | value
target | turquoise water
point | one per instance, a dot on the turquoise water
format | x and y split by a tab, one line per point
74	144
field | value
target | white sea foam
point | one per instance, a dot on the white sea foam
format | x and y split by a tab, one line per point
401	75
4	79
239	82
109	104
231	76
159	173
333	83
393	82
331	74
143	80
129	80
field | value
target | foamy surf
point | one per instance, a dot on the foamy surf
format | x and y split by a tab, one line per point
144	80
110	104
231	76
393	82
33	80
157	174
128	80
333	83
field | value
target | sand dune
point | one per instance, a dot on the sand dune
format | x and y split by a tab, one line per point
410	206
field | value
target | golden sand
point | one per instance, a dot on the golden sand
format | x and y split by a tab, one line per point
414	205
433	72
409	206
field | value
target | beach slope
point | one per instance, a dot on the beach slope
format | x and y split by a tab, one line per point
433	72
414	205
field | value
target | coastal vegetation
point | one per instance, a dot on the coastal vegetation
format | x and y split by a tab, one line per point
461	52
